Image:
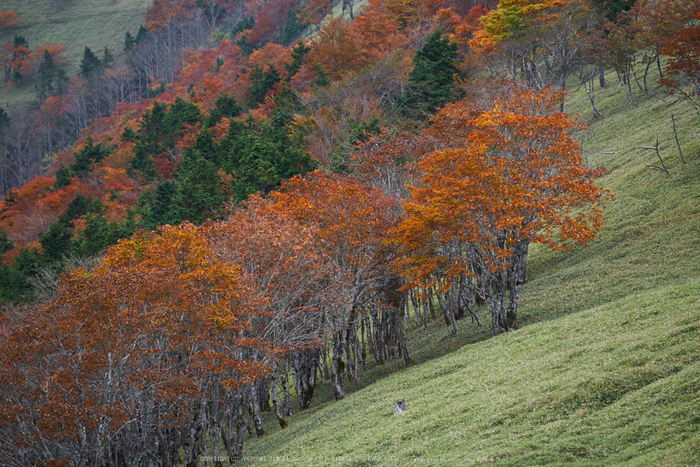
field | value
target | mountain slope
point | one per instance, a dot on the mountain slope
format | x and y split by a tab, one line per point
76	23
605	370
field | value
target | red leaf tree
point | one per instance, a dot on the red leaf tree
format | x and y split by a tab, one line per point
683	67
147	355
352	223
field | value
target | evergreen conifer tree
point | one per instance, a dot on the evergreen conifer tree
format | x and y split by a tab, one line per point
431	81
90	64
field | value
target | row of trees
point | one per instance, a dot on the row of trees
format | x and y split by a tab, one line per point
546	43
257	295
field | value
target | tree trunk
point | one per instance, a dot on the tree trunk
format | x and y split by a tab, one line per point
517	276
303	367
241	428
401	335
324	363
255	403
430	304
363	332
338	364
275	404
591	96
425	313
498	312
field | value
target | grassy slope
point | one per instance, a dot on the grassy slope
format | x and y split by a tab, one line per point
605	370
77	23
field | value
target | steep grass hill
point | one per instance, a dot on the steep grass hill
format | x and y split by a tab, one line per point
606	369
77	23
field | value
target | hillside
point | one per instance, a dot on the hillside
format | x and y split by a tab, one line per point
605	370
235	217
76	23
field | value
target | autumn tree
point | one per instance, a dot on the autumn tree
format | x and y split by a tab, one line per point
352	222
289	271
683	67
7	19
541	42
520	179
315	11
159	342
336	49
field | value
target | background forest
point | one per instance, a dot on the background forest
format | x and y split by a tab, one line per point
243	209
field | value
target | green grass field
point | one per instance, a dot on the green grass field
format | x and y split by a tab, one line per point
77	23
605	369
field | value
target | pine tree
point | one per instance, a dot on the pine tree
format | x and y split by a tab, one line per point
431	81
88	156
56	242
227	106
129	43
20	51
107	59
142	36
261	82
90	64
4	120
299	53
179	113
47	70
6	243
200	193
156	207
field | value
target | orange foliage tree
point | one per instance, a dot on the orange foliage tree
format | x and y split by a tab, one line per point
26	213
352	222
683	67
519	179
336	49
288	271
542	42
149	355
7	19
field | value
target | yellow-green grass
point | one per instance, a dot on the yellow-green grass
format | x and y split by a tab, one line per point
77	23
605	369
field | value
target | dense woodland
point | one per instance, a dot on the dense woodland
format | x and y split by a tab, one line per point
206	224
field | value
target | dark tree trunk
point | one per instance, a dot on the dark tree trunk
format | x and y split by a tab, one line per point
303	365
377	339
255	403
338	364
401	335
431	305
425	313
516	279
241	428
324	364
275	404
364	324
498	298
